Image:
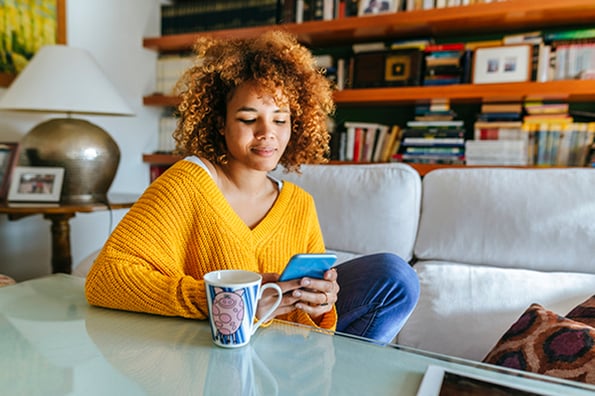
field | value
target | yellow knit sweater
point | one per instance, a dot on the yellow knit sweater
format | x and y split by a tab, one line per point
183	227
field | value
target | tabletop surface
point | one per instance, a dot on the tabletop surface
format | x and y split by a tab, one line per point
53	343
114	201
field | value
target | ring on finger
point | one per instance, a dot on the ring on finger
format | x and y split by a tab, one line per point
325	301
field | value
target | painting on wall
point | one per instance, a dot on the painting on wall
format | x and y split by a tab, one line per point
25	27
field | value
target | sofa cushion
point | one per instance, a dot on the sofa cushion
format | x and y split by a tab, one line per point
539	219
463	310
584	312
543	342
364	208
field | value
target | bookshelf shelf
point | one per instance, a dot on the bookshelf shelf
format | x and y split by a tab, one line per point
568	90
422	169
509	15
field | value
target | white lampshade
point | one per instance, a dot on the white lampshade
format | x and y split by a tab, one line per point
63	79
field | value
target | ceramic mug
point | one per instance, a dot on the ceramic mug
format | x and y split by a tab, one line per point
232	296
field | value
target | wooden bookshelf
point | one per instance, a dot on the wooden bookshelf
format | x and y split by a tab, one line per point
465	21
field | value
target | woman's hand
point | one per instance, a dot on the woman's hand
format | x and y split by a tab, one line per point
313	296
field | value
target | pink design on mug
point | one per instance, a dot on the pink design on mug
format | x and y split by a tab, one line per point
228	311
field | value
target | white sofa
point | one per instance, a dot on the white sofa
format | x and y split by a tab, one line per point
485	242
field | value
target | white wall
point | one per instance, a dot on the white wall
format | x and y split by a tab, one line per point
112	30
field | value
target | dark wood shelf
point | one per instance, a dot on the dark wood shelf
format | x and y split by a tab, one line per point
422	169
567	90
161	159
512	15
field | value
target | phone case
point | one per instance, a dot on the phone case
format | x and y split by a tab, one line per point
308	264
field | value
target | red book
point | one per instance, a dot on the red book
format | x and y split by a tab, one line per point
358	144
445	47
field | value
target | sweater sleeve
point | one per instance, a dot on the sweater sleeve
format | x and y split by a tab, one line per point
140	268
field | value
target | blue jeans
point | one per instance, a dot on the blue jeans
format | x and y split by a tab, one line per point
378	293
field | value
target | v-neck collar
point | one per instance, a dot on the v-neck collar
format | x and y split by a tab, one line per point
224	210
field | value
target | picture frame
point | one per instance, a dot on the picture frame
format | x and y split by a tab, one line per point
391	68
502	64
44	16
373	7
8	159
36	184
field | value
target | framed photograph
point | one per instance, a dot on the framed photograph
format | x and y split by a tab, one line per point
510	63
372	7
32	24
8	159
36	184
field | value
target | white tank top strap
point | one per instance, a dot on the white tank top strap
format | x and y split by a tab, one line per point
198	161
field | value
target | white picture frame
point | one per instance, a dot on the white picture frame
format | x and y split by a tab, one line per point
36	184
374	7
509	63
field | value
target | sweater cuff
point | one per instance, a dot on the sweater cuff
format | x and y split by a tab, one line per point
327	322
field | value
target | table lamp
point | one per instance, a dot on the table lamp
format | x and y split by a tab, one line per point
64	79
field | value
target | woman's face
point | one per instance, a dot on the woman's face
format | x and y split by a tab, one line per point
257	129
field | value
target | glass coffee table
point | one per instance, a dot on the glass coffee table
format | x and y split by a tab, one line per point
53	343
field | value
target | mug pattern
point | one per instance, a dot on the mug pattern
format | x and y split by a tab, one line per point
232	312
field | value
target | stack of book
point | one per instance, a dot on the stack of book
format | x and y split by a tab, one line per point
366	142
432	142
574	53
445	63
199	15
560	144
167	125
436	110
170	68
555	139
498	136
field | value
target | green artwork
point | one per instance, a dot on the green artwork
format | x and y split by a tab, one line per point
25	27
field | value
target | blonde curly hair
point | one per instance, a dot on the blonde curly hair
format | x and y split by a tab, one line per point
276	62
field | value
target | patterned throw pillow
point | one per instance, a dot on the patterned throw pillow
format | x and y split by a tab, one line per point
542	342
584	312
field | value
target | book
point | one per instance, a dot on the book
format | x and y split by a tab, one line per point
440	380
364	141
572	34
445	47
432	141
392	143
425	124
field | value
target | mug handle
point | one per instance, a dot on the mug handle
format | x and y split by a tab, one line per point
270	311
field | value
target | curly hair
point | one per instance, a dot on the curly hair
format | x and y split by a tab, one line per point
277	63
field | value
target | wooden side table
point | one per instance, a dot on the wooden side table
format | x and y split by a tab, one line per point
60	214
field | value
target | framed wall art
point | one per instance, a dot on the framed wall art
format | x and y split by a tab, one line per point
27	26
510	63
36	184
8	159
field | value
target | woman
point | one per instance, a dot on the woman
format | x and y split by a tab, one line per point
247	105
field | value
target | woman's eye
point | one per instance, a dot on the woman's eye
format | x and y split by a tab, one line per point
281	122
250	121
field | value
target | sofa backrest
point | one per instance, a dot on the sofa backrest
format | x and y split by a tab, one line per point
540	219
364	208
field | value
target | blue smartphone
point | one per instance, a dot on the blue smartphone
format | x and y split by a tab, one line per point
312	265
